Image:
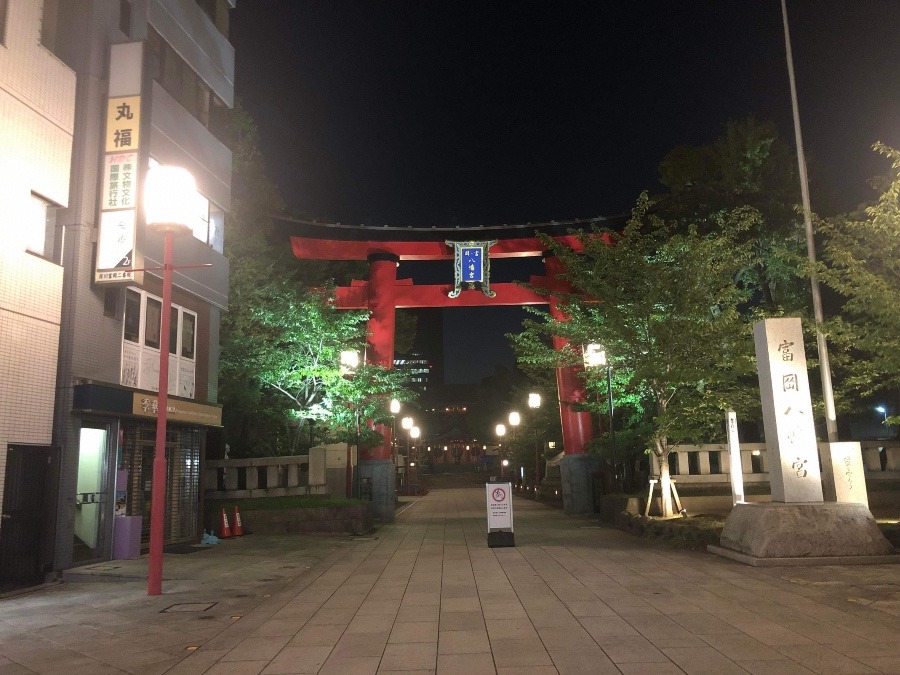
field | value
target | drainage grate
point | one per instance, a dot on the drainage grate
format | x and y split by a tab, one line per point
189	607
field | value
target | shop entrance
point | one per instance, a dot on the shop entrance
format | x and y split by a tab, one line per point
29	510
90	495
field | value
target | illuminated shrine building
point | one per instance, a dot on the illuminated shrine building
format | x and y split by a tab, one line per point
79	319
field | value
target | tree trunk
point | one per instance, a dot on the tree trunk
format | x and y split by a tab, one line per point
665	487
665	479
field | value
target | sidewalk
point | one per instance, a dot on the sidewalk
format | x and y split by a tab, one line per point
426	594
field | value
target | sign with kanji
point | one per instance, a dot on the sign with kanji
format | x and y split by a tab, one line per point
120	181
794	472
123	123
472	266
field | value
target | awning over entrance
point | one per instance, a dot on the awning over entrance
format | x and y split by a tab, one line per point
110	399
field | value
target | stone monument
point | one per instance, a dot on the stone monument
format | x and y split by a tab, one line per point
798	523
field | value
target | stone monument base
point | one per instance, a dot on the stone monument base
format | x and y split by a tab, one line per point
776	530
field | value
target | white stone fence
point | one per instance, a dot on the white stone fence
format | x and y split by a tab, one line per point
260	477
711	463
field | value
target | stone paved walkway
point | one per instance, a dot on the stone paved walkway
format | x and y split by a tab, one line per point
425	594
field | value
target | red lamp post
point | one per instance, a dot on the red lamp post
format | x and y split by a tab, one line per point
167	191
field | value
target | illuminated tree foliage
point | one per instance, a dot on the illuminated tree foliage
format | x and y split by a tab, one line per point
664	301
861	261
280	381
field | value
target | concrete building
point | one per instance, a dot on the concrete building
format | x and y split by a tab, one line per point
127	83
37	121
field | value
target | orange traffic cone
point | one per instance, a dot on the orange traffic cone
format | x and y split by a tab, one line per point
224	530
238	530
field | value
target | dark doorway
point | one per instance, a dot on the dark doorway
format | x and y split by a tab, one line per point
29	510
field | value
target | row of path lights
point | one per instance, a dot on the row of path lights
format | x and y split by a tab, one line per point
515	419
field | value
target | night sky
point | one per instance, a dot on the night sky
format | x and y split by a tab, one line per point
481	113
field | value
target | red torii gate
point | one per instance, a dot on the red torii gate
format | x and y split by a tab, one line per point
383	293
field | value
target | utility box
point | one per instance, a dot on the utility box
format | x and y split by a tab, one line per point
328	467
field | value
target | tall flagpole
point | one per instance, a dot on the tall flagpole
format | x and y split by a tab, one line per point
824	361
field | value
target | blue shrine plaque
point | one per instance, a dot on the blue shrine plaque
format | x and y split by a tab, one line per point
472	266
471	263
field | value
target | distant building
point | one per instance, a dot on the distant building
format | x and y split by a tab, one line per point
99	91
417	367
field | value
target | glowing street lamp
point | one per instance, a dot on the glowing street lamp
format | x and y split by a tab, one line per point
407	424
595	357
534	402
515	419
883	411
395	409
169	192
414	433
349	364
500	430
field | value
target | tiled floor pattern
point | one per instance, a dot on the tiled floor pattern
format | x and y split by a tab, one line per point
425	594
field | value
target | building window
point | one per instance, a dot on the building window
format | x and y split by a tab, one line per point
125	17
186	86
217	11
152	322
694	463
132	316
188	330
40	228
140	345
49	21
111	302
4	7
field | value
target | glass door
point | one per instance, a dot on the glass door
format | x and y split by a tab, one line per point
90	494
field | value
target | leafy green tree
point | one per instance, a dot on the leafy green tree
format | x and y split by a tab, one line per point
749	165
860	262
664	301
280	380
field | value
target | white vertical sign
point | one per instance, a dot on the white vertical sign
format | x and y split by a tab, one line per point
794	472
499	506
734	457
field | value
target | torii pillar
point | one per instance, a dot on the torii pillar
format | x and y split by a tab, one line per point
376	463
578	465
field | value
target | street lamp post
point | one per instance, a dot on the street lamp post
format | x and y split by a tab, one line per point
595	356
883	411
407	424
534	402
348	366
515	419
395	409
168	193
414	433
500	430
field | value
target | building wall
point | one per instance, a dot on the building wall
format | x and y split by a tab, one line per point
37	111
91	334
